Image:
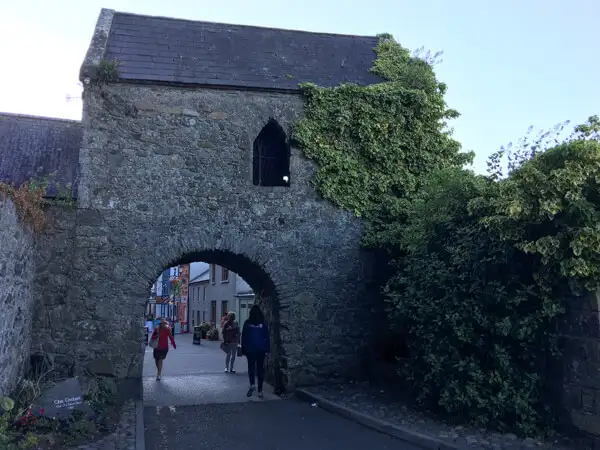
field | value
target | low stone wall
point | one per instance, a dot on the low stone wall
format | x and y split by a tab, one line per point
581	379
17	272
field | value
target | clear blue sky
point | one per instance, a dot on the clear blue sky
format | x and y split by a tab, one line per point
508	64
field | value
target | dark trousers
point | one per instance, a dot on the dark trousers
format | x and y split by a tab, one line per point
256	368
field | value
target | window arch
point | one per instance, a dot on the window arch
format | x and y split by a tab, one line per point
271	156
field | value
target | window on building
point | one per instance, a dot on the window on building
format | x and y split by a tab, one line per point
213	273
213	311
198	317
204	316
271	156
224	275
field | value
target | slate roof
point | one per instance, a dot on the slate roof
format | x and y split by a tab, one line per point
198	268
203	53
35	147
203	277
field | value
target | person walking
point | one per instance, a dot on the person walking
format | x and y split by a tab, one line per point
160	343
231	340
255	346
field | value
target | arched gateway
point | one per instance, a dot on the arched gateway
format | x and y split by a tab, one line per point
188	158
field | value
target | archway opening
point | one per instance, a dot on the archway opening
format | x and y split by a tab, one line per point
210	284
271	156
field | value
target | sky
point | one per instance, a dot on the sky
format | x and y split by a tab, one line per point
508	64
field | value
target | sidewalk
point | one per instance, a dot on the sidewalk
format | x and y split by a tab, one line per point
195	375
373	407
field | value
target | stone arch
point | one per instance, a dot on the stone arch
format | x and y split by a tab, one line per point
271	155
248	259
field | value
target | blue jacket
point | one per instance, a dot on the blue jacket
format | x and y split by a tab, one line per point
255	338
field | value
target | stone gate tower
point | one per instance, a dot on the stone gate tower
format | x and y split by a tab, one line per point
185	156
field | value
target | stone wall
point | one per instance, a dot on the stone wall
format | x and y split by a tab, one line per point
580	332
55	330
17	271
166	178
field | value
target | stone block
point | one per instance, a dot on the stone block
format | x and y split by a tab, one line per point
587	422
588	302
580	323
102	367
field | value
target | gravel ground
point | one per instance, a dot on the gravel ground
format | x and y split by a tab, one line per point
376	402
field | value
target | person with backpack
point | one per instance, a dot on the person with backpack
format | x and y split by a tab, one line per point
256	344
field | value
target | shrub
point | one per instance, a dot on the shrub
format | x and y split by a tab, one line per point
484	271
21	429
29	202
30	199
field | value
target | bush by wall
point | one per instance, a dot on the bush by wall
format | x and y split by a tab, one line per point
487	266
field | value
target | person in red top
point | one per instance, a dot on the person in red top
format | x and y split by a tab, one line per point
163	335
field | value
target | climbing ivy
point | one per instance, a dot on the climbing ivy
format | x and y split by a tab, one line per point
373	143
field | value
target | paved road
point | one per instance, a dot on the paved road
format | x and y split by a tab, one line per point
197	406
282	425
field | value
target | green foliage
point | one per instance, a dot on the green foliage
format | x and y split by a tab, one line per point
7	404
486	267
372	144
108	71
483	264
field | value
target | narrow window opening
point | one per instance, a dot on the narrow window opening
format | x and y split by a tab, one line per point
271	156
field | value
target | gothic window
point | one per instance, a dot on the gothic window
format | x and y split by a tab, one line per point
271	156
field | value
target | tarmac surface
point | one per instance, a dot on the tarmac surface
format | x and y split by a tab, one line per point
197	406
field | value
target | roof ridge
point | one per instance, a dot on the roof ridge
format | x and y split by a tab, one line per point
175	19
36	117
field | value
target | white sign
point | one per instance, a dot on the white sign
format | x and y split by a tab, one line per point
68	402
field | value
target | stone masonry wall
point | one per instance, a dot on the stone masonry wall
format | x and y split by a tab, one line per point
17	271
581	380
55	316
166	179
